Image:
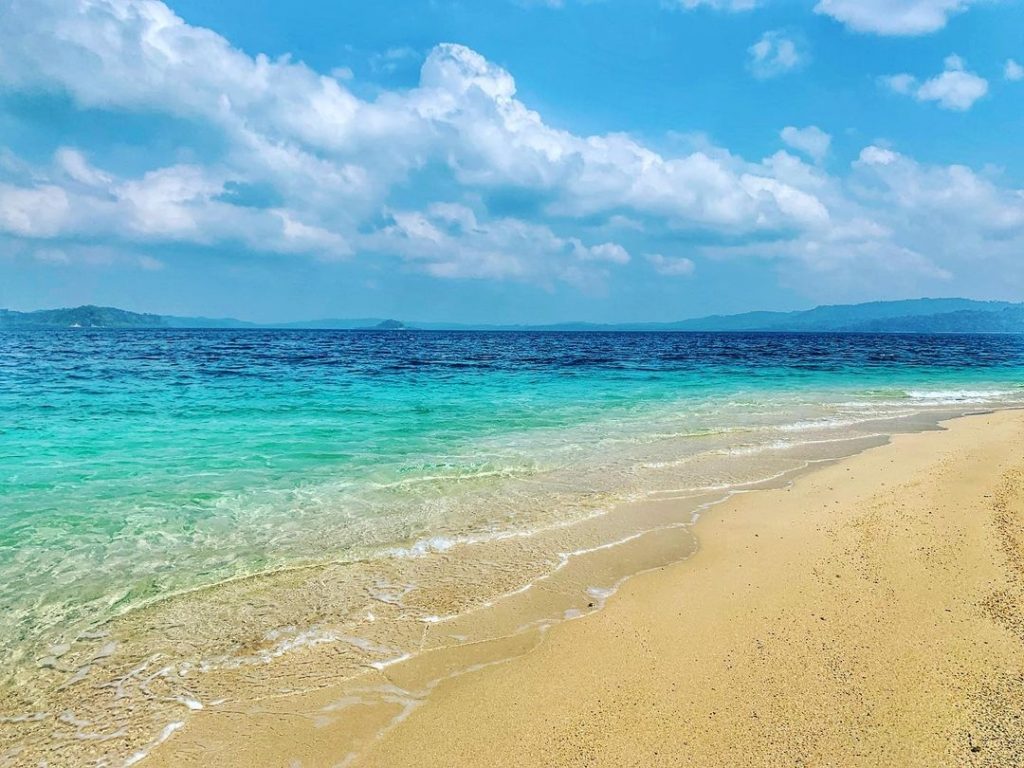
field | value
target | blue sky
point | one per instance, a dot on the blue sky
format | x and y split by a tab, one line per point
509	161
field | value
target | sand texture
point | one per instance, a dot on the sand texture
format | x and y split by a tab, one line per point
870	615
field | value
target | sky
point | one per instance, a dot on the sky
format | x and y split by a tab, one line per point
508	160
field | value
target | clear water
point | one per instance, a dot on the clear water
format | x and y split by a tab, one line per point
135	465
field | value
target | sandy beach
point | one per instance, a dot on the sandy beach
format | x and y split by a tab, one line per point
871	614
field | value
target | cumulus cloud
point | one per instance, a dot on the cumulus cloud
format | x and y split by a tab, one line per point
946	196
37	211
897	226
333	156
307	167
893	17
447	240
905	84
74	164
1013	71
812	141
965	221
671	266
774	54
954	89
179	203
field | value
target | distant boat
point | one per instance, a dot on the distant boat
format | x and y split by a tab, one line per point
75	325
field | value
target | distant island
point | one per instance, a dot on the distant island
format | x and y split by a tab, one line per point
909	316
390	325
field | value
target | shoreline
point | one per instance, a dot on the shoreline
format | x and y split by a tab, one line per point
117	691
474	685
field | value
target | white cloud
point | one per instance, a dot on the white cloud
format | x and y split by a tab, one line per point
77	168
960	222
170	201
447	240
893	17
903	83
774	54
180	203
876	156
1013	71
954	89
897	226
393	59
93	255
37	211
946	197
812	141
336	157
311	169
719	5
612	253
671	266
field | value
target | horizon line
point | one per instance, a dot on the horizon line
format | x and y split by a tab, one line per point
526	324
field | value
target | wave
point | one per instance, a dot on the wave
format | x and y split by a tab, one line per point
957	396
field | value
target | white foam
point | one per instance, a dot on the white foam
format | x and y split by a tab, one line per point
382	665
391	594
953	396
433	545
438	619
192	704
782	445
311	637
601	593
165	734
825	423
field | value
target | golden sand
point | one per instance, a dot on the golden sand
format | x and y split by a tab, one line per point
870	615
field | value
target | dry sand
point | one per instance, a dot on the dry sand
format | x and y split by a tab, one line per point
870	615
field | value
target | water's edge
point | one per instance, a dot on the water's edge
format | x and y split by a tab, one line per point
429	619
386	694
192	520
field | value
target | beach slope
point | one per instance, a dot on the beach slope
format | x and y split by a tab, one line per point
870	615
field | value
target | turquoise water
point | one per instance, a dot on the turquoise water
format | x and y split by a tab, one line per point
139	464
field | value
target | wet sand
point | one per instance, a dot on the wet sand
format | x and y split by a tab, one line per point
872	614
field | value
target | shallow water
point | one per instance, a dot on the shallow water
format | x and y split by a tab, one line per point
177	505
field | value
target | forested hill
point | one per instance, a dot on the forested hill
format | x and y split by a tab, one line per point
910	316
